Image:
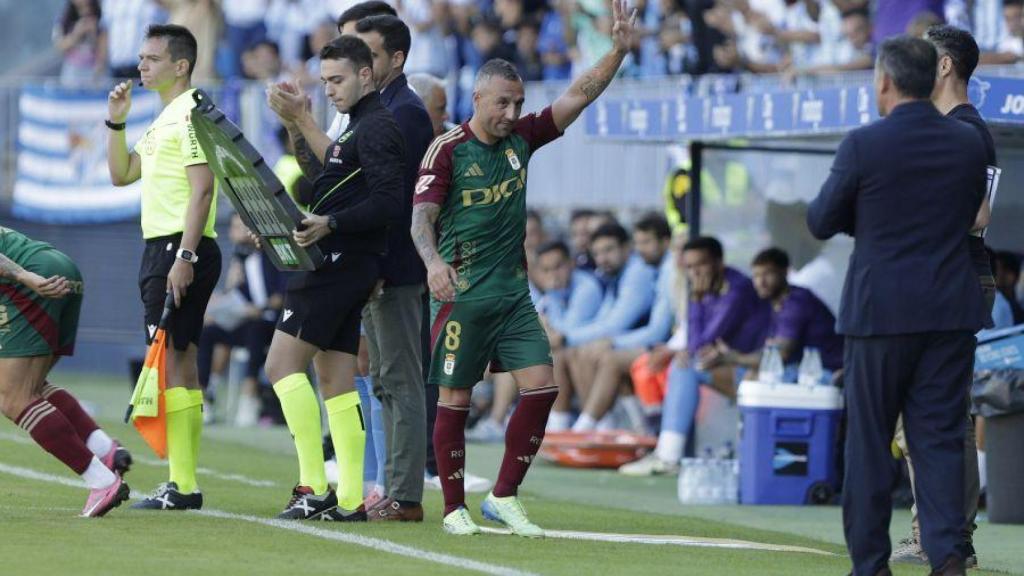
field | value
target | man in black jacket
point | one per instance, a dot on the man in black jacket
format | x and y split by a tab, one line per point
393	319
356	195
907	188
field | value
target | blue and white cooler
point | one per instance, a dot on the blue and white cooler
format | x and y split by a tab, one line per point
789	445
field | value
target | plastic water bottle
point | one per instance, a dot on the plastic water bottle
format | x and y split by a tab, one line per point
811	371
732	483
771	368
705	477
765	367
687	486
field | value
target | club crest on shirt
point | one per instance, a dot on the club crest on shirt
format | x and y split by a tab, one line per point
449	364
337	151
344	137
513	160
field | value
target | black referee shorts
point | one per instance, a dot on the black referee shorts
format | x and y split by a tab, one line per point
186	323
324	307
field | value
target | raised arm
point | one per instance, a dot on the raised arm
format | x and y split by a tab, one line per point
309	141
125	167
592	83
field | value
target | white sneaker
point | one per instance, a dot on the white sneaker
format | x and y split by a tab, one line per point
649	465
487	431
248	411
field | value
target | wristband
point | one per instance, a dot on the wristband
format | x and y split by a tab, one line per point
115	125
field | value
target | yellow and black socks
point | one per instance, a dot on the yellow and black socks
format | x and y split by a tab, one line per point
348	432
181	455
302	413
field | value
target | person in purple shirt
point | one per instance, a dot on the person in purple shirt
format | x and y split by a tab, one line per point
892	16
723	308
799	320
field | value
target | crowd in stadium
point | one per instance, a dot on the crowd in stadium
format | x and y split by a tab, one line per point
546	39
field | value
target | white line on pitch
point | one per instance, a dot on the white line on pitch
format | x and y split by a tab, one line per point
692	541
338	536
241	479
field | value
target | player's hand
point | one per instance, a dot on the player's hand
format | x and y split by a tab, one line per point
52	287
119	102
442	279
288	102
659	358
623	27
179	279
316	228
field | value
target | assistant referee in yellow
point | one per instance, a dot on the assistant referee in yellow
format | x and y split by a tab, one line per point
178	212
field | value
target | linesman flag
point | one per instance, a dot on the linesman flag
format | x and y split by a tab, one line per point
148	409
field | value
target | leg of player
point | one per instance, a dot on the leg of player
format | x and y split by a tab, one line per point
184	401
21	383
522	441
450	450
336	374
286	367
108	450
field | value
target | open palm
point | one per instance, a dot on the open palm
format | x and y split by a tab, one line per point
623	26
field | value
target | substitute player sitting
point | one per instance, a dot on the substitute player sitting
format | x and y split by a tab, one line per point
356	195
472	187
40	300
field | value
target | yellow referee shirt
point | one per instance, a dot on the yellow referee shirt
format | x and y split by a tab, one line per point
167	147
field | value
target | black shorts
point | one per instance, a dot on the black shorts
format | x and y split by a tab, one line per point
324	307
186	323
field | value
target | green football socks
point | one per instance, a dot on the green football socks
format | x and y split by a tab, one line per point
302	413
348	431
181	455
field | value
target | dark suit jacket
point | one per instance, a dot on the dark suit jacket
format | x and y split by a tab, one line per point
907	188
403	266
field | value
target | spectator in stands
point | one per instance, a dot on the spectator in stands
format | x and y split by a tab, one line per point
921	23
554	51
125	22
855	51
428	20
262	61
243	27
82	42
1010	48
603	364
628	283
204	20
987	25
535	236
579	237
288	24
528	60
435	99
799	320
1007	272
243	315
723	307
891	17
319	36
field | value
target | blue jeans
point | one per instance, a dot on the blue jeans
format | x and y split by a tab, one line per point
683	396
374	456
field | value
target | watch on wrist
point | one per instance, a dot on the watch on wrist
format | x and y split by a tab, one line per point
332	222
115	125
187	255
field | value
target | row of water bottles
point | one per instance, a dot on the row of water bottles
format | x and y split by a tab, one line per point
711	479
772	370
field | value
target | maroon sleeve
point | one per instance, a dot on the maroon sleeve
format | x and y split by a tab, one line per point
538	129
435	175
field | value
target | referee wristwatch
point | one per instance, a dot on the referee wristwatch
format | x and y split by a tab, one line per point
187	255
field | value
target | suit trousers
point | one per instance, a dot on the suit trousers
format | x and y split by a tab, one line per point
920	376
392	321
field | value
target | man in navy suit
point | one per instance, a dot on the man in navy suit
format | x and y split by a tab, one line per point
907	188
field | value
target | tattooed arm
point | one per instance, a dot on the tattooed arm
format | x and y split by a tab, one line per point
52	287
309	143
440	276
592	83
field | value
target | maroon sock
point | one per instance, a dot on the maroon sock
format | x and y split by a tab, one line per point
450	451
523	437
62	400
51	430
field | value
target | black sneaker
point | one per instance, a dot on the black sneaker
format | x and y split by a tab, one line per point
339	515
167	497
305	505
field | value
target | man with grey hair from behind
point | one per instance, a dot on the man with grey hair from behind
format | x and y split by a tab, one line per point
432	90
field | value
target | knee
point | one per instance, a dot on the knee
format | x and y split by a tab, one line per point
276	368
455	396
13	403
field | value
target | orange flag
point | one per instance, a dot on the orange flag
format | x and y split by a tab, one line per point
148	408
